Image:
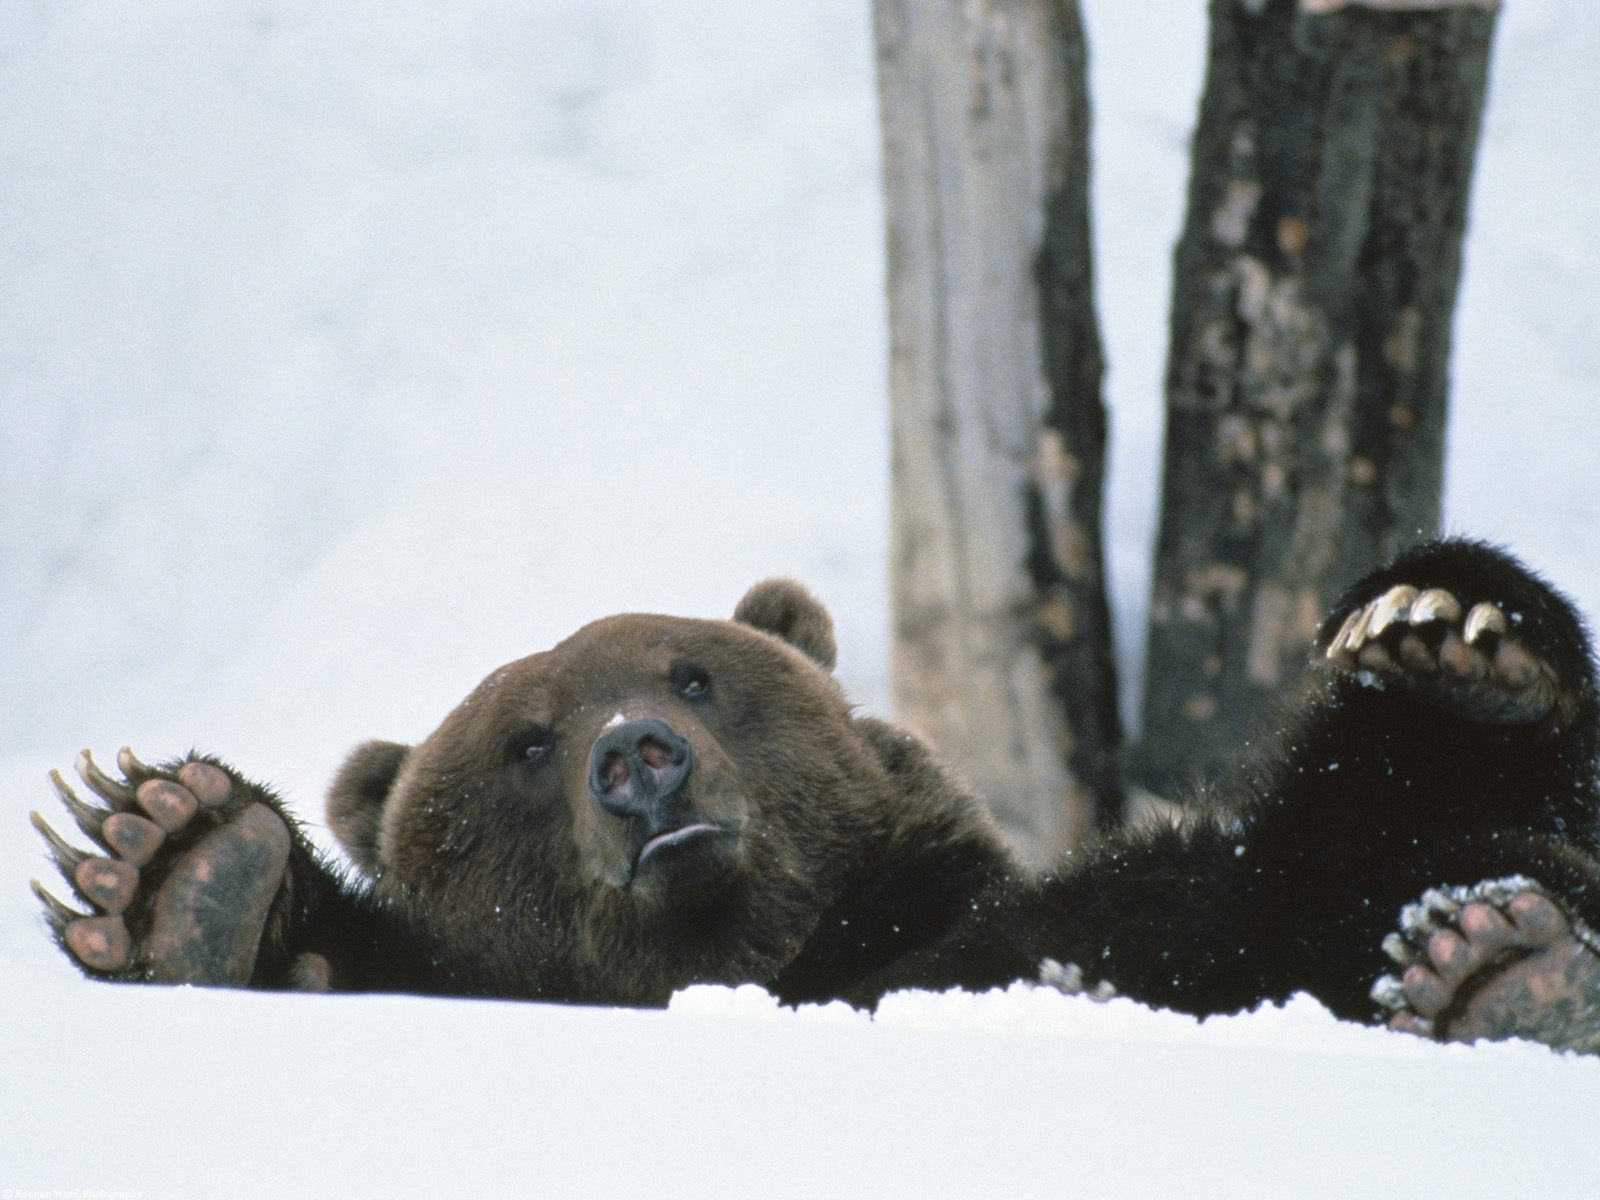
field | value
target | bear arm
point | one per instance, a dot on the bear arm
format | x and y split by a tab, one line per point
344	940
1129	913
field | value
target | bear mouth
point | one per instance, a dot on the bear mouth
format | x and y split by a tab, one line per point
664	843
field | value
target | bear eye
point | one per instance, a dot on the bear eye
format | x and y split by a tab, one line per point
690	682
532	746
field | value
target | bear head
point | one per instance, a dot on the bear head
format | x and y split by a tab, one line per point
653	802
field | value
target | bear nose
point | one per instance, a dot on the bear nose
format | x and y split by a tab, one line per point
637	765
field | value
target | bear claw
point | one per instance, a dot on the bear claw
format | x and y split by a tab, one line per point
89	819
1434	604
57	913
128	763
1466	660
1483	619
1497	960
66	855
98	782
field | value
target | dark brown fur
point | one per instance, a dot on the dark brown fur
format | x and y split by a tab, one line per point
659	801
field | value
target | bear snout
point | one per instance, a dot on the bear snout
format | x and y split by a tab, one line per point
635	768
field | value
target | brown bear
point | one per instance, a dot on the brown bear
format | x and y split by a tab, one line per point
654	802
660	801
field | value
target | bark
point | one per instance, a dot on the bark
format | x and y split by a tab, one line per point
1314	287
1002	644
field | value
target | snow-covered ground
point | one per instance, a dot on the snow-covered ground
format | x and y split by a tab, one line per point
347	351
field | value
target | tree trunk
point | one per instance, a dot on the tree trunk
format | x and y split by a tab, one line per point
1002	633
1313	294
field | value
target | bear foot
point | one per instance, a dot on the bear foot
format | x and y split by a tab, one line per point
1497	960
191	867
1468	661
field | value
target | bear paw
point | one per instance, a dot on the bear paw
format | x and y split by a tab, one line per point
1467	660
191	866
1498	960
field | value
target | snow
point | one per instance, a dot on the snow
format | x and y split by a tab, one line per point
725	1095
349	351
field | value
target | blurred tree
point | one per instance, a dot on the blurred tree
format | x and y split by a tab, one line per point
1002	650
1314	287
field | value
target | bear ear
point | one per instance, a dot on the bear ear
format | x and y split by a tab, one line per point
356	800
785	609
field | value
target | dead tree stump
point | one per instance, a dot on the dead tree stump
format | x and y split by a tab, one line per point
1314	288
